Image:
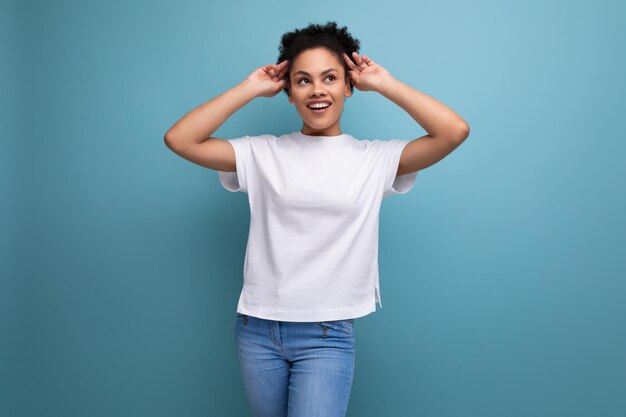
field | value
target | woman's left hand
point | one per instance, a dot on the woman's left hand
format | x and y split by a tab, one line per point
366	75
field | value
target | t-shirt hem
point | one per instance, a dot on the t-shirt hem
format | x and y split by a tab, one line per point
308	316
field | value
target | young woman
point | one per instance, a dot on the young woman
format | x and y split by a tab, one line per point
311	264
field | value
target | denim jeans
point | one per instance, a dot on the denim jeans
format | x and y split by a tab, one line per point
296	369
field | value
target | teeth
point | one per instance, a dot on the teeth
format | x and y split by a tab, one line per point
318	105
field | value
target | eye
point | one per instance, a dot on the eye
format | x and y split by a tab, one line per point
302	79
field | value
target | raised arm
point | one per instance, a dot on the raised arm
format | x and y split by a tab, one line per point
190	137
446	129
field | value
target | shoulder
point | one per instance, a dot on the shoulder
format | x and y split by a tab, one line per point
384	145
255	140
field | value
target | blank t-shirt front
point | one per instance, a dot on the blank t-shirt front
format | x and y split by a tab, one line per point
312	252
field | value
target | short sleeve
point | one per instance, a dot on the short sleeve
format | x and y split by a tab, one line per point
400	184
238	181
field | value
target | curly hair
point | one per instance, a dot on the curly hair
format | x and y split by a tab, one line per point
329	36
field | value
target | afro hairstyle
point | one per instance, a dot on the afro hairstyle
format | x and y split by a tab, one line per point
329	36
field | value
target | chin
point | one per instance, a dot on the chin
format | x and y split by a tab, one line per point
321	126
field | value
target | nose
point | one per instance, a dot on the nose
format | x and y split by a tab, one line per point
318	88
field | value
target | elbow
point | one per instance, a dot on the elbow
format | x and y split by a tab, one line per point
169	141
466	131
463	133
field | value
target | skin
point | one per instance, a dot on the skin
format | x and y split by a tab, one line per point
333	86
446	129
191	137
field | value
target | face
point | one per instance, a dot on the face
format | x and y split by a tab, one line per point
310	81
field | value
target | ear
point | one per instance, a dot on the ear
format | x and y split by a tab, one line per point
348	84
288	86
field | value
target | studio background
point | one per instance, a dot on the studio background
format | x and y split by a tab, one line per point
502	270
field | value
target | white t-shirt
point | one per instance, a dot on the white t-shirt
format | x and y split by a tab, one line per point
312	252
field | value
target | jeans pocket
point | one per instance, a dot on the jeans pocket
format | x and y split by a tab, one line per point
345	326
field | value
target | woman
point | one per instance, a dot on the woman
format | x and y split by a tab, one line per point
311	262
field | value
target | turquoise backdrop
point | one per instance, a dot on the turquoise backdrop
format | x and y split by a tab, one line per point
502	271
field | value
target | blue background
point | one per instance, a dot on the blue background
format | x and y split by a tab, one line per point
502	271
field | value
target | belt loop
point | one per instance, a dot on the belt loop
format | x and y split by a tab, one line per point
245	320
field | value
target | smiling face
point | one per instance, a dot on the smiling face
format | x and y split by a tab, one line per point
317	75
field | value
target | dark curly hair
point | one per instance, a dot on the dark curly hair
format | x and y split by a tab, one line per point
329	36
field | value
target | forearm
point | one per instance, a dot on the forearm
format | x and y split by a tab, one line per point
200	123
433	116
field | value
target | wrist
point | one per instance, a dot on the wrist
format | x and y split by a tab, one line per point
248	89
387	85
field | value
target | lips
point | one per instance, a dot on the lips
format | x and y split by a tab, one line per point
319	111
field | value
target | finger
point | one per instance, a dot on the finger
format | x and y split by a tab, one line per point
277	68
356	57
349	61
353	60
359	61
282	64
369	61
282	73
268	69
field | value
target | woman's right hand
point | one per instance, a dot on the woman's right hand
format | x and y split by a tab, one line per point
269	80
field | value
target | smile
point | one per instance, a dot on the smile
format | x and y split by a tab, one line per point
319	110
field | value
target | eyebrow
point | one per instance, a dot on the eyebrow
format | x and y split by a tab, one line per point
322	73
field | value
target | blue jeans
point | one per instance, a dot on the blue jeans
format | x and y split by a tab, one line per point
296	369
